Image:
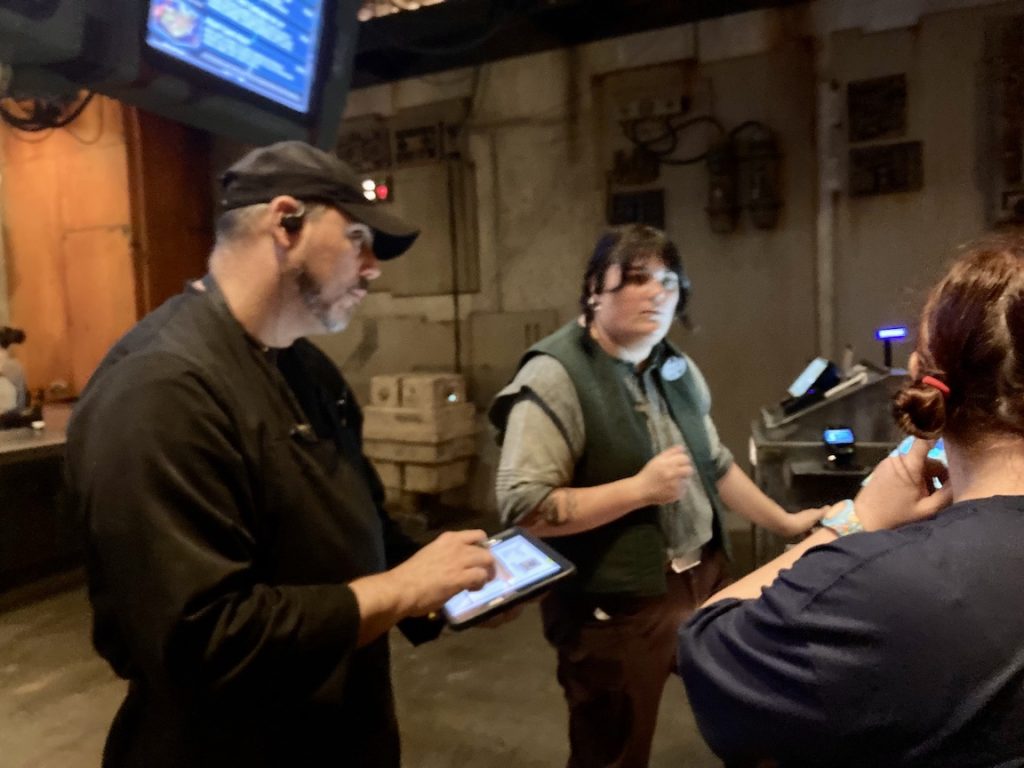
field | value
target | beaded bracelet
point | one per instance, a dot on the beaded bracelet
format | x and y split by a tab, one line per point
845	521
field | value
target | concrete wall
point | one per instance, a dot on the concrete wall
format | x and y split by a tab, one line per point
541	134
541	137
890	249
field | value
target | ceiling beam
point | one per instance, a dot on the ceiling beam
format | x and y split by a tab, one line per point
462	33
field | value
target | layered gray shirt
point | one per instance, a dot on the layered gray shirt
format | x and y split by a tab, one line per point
545	438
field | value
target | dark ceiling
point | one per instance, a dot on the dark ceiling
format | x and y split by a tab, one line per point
461	33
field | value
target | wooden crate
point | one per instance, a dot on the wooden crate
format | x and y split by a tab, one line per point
412	425
432	390
417	390
390	473
421	453
386	390
434	478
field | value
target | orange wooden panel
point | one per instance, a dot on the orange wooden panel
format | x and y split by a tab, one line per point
100	288
35	283
21	147
100	125
95	188
64	182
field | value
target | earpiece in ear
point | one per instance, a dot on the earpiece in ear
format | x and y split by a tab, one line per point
292	222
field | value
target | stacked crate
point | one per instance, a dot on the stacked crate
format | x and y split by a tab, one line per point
419	431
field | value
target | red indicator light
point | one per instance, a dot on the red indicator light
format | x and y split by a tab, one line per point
382	192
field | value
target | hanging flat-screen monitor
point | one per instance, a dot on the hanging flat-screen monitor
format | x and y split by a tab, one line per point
269	48
256	71
40	31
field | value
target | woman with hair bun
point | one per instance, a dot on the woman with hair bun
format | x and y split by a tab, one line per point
894	636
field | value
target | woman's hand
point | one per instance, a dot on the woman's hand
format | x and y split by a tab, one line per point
796	523
664	478
900	490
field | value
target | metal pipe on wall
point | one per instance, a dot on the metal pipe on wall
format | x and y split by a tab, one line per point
826	106
453	242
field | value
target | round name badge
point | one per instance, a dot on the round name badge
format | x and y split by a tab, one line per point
673	368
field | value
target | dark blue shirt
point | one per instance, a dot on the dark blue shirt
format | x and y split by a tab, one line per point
894	648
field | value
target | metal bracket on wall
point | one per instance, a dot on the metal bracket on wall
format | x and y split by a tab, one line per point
365	144
418	144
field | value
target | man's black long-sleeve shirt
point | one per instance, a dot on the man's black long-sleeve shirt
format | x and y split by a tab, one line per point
227	503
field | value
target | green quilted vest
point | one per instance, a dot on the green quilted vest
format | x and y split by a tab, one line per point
627	555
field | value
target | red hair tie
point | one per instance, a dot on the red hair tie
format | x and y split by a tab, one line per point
931	381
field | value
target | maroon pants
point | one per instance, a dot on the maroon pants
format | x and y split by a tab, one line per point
613	670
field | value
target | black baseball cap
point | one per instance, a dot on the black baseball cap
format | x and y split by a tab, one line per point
301	170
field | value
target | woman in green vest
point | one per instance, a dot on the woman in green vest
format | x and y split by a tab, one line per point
609	452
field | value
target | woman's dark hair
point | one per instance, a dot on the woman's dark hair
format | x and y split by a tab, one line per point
9	336
628	245
971	339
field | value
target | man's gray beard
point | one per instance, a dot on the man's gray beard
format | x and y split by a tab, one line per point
311	293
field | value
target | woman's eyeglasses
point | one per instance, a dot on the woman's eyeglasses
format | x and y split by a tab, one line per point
669	281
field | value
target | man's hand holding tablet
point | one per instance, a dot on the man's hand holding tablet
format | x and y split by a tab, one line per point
524	567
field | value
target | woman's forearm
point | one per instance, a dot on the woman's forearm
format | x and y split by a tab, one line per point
573	510
750	586
742	496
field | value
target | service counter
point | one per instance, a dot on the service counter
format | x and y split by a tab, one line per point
791	463
37	536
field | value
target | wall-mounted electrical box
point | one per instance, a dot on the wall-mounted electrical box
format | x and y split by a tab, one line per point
418	144
886	168
1002	147
877	108
639	207
365	144
637	103
415	156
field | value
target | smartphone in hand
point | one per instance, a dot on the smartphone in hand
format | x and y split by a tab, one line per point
936	464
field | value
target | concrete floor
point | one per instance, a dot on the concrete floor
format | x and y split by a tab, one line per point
481	698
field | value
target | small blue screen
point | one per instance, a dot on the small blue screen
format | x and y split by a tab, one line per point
839	436
267	47
895	332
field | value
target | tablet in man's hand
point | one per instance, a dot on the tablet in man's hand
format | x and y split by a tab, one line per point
524	567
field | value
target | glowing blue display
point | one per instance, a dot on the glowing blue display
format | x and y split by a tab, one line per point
840	436
807	377
267	47
893	333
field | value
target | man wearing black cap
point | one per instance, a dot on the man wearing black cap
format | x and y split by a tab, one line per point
242	574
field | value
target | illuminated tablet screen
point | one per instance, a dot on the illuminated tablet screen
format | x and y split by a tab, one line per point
519	564
266	47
